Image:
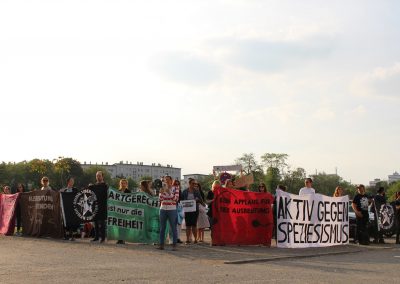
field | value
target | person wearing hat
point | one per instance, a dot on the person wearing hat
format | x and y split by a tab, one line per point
378	200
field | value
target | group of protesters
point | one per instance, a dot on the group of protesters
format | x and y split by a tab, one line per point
172	213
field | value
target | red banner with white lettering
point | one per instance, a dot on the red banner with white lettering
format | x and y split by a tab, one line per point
8	203
241	217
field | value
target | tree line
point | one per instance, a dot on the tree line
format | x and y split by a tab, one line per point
57	170
272	169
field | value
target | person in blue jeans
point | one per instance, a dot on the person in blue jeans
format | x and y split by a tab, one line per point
169	196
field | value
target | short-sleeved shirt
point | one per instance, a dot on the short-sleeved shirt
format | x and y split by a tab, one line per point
361	202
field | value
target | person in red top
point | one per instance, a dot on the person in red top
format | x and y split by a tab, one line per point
169	196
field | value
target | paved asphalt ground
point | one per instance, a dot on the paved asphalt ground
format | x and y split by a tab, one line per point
31	260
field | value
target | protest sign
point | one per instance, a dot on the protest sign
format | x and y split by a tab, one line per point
232	168
133	217
188	205
41	214
241	217
311	220
244	181
8	203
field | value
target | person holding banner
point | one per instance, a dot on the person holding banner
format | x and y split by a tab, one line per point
20	189
6	189
100	225
145	187
262	187
308	187
169	196
338	191
69	230
378	200
209	201
191	217
123	187
179	212
397	216
45	183
360	207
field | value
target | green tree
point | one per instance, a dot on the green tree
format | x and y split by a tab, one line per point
272	179
274	160
326	184
89	175
206	182
294	179
39	168
66	167
391	191
248	163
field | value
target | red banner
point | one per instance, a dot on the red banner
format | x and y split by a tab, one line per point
8	203
242	217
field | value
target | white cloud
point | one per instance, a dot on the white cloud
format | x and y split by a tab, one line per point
382	82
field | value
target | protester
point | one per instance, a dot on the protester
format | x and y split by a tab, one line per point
20	189
210	199
229	184
378	200
180	213
191	217
69	230
100	225
397	216
275	209
338	191
262	187
45	183
6	189
202	220
123	187
360	207
145	187
308	187
169	196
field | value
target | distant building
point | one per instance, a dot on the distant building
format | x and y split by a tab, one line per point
138	170
374	182
394	177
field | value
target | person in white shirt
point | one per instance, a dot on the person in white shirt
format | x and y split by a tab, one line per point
308	187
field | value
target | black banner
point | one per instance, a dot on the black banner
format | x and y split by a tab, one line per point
41	214
87	205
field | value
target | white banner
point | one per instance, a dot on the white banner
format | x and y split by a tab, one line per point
188	205
312	220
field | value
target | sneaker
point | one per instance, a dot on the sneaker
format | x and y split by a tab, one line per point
101	241
95	240
178	241
72	239
161	247
120	242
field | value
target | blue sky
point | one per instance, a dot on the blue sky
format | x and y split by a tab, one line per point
199	83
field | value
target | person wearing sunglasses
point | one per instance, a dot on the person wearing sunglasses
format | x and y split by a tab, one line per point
45	183
262	187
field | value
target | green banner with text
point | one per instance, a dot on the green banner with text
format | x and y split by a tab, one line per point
133	217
